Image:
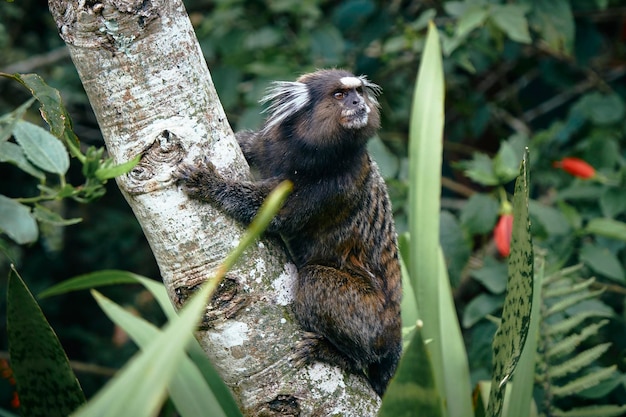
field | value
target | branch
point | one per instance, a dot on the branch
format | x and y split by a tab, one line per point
147	81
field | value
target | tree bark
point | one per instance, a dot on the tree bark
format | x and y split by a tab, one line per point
151	91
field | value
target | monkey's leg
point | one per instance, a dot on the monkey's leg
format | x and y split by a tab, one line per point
348	312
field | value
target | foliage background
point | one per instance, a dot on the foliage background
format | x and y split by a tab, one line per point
549	75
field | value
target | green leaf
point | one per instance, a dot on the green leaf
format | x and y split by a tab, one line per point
593	411
480	213
52	109
493	275
426	262
511	335
17	221
613	203
583	382
42	148
506	163
8	121
519	401
412	390
480	169
610	228
603	261
455	245
45	215
472	18
46	385
511	19
571	342
188	389
479	307
601	109
552	220
581	360
113	277
13	153
106	172
554	21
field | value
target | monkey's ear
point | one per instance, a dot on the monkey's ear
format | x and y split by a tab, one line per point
285	99
373	90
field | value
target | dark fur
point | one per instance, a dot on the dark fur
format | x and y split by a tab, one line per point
337	223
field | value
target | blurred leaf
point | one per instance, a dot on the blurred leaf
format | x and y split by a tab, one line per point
8	121
609	228
17	221
511	19
601	109
412	391
613	202
387	162
480	213
349	13
46	385
554	21
480	306
327	46
480	169
42	148
602	261
506	163
44	214
13	153
511	335
455	246
473	17
493	275
188	389
265	37
552	220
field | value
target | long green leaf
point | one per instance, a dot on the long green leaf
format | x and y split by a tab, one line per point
426	270
112	277
520	399
188	389
140	388
46	384
511	335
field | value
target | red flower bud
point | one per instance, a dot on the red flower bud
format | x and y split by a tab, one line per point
576	167
502	234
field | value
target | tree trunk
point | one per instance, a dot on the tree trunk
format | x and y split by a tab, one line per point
147	81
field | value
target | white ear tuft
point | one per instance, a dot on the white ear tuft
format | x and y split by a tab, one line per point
286	98
373	90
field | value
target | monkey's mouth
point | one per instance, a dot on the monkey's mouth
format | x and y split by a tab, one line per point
354	118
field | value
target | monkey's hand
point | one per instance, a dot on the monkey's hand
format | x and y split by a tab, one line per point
199	181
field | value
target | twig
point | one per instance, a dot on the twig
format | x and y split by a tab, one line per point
87	368
37	61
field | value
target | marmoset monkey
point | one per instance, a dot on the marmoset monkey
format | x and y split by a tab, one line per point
337	224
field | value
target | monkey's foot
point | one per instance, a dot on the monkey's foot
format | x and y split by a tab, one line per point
316	348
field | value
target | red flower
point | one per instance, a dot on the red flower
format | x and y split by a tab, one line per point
502	234
576	167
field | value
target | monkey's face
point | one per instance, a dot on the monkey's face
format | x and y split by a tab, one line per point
353	108
323	107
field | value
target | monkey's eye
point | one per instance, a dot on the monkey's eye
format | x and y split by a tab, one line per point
339	95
